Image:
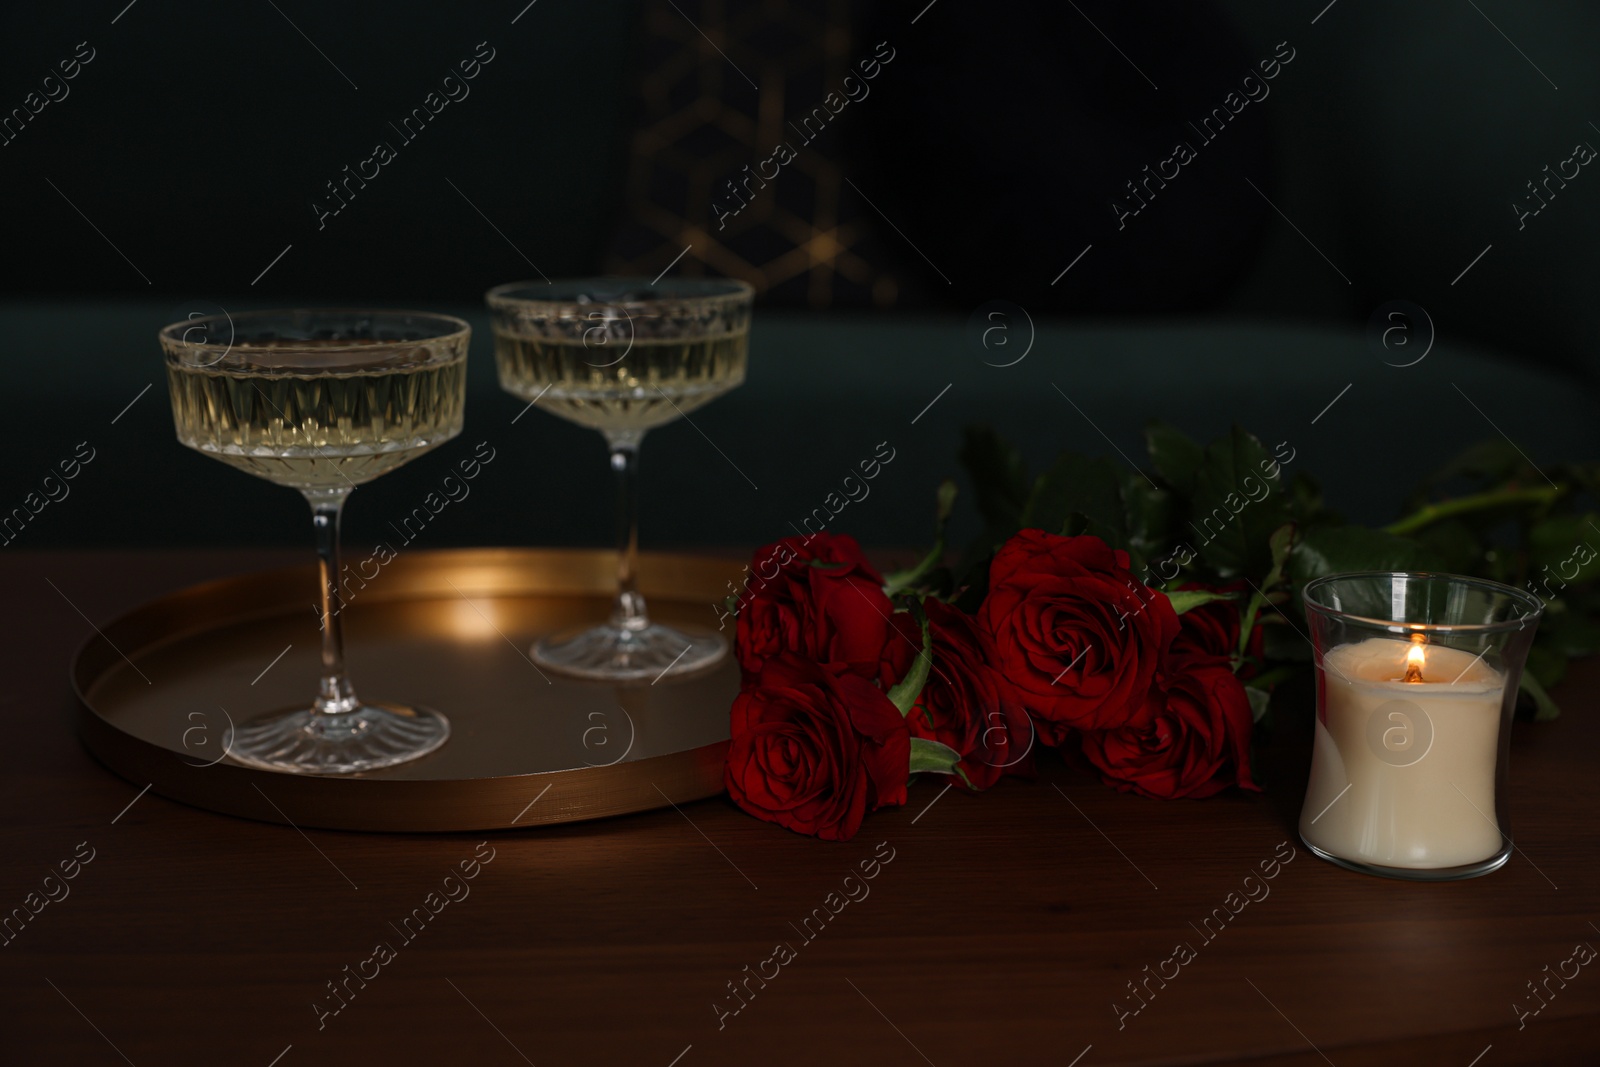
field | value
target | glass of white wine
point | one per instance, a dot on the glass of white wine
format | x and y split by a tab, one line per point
623	356
322	401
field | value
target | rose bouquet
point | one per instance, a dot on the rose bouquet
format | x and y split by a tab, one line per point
1140	618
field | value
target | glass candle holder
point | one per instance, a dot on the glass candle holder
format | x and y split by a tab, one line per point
1417	679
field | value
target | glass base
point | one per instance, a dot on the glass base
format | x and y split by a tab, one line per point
612	654
365	739
1419	874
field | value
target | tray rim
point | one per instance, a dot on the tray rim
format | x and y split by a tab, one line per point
368	804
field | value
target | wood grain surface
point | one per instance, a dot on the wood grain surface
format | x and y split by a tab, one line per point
997	929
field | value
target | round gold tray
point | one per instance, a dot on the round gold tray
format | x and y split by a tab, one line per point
162	687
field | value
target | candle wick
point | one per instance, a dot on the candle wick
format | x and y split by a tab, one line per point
1414	659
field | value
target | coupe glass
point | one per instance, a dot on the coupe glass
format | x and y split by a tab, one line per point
322	401
623	356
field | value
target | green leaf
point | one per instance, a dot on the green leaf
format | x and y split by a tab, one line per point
1175	457
1492	460
1000	489
1569	633
906	691
1089	488
1149	514
1564	544
1458	548
1305	497
1237	505
933	756
1137	565
1336	549
1586	475
1545	708
1187	599
1078	524
971	574
999	478
1260	700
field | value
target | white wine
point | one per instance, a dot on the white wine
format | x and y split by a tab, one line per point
655	382
318	430
623	356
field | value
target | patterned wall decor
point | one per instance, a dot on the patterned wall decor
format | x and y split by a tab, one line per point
736	152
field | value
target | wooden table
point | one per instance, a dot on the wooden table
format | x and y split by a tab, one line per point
1003	930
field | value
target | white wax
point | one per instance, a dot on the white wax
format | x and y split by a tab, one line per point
1402	774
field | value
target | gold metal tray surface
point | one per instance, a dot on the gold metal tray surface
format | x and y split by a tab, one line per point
161	687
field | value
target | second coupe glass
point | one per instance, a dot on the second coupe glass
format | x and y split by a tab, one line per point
623	356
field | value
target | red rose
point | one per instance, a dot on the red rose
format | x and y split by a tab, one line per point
814	750
967	705
1191	738
1213	629
1210	629
1075	633
819	597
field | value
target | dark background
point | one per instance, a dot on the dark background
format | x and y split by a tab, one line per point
1386	157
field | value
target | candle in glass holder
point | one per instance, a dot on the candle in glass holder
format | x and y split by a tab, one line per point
1404	766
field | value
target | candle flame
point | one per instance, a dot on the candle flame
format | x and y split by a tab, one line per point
1416	659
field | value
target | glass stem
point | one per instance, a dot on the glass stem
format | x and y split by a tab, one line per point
335	695
627	611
